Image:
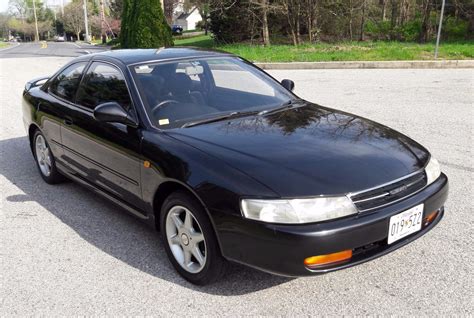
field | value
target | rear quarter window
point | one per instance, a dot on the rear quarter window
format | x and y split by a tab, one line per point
65	84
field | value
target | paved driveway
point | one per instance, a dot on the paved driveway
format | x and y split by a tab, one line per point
65	251
48	49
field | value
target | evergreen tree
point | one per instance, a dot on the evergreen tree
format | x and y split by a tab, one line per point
144	25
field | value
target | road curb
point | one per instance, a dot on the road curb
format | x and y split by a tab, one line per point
9	47
368	65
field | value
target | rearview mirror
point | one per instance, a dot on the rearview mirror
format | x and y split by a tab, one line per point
288	84
194	70
112	112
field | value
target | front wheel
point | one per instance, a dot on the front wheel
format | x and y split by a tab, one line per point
189	240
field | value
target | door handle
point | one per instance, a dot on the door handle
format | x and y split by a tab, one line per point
68	121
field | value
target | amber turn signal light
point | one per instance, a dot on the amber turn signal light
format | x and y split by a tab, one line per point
430	218
328	259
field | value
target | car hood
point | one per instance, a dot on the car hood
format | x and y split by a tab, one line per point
309	150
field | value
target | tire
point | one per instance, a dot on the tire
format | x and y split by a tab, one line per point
199	262
45	160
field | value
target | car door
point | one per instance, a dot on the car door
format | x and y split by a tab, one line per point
52	105
104	154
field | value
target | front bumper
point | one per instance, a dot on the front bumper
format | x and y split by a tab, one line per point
281	249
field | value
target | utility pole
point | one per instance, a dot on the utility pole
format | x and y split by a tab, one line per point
36	21
62	7
86	23
439	29
55	20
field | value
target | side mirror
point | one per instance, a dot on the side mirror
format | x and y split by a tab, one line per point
112	112
288	84
36	82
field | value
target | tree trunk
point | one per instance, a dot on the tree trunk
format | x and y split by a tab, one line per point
291	21
362	20
350	19
78	34
297	17
425	25
315	21
404	9
311	17
456	9
266	33
293	35
310	28
393	21
383	3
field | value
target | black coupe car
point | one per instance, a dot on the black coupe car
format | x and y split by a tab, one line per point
229	164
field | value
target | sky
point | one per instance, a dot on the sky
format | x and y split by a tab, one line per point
4	3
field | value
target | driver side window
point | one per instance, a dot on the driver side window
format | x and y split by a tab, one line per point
103	83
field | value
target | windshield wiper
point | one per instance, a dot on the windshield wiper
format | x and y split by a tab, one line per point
218	118
287	105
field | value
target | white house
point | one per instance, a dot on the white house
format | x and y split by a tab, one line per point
188	20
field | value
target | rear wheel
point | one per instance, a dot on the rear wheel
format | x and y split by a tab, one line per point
45	159
189	240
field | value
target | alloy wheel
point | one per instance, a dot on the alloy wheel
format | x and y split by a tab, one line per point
185	239
43	155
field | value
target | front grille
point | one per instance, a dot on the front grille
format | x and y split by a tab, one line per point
387	194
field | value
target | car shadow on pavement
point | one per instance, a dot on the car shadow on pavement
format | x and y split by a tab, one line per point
110	229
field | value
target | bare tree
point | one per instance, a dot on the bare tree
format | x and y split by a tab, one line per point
73	18
265	32
260	10
292	10
18	8
169	7
311	13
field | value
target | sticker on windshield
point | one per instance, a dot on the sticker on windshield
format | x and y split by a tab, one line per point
163	121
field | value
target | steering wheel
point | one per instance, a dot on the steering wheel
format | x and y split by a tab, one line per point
163	103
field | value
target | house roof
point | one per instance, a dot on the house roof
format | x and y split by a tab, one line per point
184	16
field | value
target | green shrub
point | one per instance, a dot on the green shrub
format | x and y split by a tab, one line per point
454	29
379	31
410	31
200	25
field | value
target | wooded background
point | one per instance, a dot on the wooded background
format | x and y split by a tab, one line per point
297	21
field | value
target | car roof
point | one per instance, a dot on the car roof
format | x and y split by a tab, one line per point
136	56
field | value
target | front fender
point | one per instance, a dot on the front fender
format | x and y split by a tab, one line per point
218	185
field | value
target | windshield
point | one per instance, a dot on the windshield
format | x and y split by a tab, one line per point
179	92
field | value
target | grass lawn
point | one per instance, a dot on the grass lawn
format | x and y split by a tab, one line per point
3	45
344	51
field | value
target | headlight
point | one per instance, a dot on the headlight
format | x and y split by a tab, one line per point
298	210
433	170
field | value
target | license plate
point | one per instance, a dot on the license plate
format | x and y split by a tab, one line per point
405	223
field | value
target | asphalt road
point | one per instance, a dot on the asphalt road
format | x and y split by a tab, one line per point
65	251
48	49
